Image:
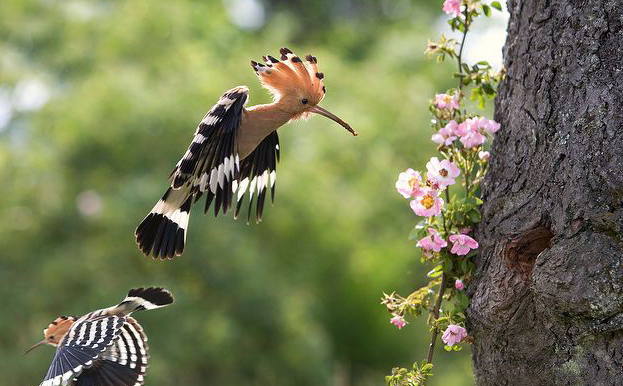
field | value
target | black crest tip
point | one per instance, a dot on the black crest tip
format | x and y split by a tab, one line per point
311	59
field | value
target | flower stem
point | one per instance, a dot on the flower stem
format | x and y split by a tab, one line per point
433	340
467	173
461	48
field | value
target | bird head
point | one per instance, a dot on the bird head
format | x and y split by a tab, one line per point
295	84
55	331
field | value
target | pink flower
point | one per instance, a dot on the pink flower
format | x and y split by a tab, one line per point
490	126
458	284
461	244
447	101
465	127
434	241
427	204
408	184
454	335
398	321
443	172
472	139
465	230
484	155
452	7
445	135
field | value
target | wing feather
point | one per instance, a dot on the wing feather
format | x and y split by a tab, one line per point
85	342
258	173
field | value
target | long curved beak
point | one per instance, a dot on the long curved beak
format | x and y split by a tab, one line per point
328	114
35	346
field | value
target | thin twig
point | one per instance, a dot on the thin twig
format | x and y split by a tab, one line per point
461	48
433	340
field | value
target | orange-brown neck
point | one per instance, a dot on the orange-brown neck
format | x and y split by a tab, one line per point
259	121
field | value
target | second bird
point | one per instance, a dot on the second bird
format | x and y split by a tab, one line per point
234	151
106	347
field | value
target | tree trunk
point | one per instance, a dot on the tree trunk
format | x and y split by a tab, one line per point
547	297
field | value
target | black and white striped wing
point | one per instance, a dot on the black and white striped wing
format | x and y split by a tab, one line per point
258	172
211	162
122	364
83	344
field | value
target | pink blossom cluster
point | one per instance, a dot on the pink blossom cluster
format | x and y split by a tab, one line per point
447	101
454	335
471	132
461	244
398	321
452	7
426	201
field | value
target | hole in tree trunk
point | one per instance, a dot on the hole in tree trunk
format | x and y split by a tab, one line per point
521	252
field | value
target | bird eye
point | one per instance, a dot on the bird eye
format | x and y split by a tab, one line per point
51	337
304	101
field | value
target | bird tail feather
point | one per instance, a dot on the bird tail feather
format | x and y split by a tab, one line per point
149	298
162	233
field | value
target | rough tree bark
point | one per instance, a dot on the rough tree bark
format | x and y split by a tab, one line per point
547	297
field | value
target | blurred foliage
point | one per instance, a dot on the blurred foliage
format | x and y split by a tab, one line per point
292	301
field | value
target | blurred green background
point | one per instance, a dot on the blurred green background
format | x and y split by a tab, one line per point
98	101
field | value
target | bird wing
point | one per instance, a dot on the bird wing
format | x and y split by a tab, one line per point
258	170
211	165
122	364
83	344
212	158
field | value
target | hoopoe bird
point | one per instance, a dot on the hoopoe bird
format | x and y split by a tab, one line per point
235	150
106	347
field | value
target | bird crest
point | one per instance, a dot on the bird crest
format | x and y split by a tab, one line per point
291	80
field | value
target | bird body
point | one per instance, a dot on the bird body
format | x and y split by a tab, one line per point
234	151
257	123
105	347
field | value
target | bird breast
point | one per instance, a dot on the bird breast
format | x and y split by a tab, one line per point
257	123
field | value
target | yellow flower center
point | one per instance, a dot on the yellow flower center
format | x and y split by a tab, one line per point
447	98
427	202
413	183
443	172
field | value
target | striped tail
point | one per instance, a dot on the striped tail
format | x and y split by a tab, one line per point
139	299
163	232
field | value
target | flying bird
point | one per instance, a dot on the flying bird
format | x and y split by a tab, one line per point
106	347
235	151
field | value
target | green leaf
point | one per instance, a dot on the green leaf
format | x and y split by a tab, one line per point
488	89
435	272
486	10
481	102
463	265
475	216
496	5
419	230
447	348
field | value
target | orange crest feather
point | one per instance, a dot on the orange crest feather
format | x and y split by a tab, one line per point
57	329
291	76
